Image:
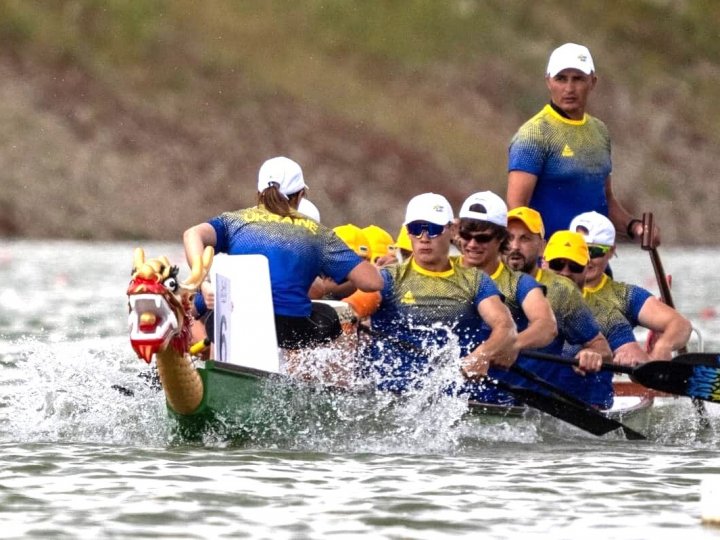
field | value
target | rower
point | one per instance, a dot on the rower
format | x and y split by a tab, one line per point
566	253
576	324
482	236
298	249
428	299
637	304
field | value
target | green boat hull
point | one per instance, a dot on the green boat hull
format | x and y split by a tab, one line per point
242	405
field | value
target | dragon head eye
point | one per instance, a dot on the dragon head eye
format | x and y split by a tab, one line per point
171	282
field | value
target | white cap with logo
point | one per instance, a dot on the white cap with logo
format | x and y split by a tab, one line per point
284	172
600	229
429	207
570	56
485	206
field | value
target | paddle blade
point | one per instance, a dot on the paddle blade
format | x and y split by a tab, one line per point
698	359
591	421
681	378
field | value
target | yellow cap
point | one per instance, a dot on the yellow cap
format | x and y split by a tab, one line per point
567	245
380	241
355	239
403	240
531	218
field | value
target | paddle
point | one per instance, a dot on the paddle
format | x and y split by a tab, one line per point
695	375
648	244
597	426
582	416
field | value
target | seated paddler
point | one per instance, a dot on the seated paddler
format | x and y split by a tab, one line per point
426	301
298	249
482	237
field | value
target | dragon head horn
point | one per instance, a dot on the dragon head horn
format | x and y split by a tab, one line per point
138	259
199	268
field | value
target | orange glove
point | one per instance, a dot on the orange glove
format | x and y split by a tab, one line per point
364	303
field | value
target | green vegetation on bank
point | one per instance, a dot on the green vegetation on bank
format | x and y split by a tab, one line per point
334	52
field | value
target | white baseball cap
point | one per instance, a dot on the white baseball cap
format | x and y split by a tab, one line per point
570	56
429	207
309	209
284	172
485	206
600	229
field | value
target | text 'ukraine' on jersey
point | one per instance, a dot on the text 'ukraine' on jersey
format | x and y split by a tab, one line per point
298	250
420	309
571	159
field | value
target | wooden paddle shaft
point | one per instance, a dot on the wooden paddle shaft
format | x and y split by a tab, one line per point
647	244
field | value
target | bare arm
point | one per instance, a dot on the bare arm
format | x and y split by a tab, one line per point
593	354
195	239
674	329
338	290
499	349
542	327
629	354
366	277
598	345
520	188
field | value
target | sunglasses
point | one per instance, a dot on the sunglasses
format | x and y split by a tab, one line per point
598	251
479	238
416	229
557	265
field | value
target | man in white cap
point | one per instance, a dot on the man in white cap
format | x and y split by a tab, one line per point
559	161
298	250
482	237
638	305
428	299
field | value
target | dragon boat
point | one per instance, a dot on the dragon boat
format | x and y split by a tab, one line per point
233	395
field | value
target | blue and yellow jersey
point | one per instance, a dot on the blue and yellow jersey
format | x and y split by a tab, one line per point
571	159
298	249
514	286
629	299
576	326
575	321
596	388
420	310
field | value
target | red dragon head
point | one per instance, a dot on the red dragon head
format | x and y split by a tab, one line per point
159	307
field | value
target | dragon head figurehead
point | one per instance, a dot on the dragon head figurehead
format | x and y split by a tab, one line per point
159	306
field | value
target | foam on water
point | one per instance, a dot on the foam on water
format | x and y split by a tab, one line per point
66	391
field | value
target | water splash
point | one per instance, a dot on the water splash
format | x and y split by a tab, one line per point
64	392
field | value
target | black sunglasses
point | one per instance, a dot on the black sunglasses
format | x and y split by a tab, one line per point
598	251
481	238
416	229
557	265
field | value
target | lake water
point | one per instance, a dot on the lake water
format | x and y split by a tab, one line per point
80	460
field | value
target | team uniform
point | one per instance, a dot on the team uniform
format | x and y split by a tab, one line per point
298	249
597	388
421	310
571	159
514	286
628	298
575	323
